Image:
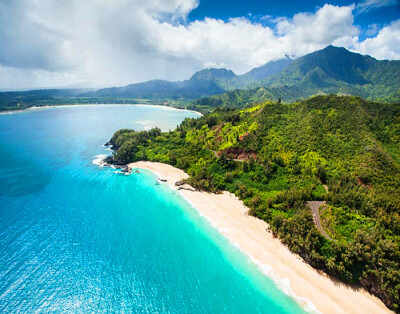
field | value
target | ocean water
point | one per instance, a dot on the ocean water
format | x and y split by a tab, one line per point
75	237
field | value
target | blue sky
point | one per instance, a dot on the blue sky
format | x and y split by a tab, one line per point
98	43
256	9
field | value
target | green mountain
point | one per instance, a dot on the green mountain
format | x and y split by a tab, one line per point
236	98
266	70
203	83
241	98
337	70
159	89
339	149
218	75
330	70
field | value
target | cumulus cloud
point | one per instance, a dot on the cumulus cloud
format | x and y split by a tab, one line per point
93	40
51	43
241	44
307	32
386	45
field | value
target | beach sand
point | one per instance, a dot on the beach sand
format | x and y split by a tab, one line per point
298	279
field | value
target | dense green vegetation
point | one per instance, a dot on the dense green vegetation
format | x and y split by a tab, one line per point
276	157
331	70
23	100
238	98
337	70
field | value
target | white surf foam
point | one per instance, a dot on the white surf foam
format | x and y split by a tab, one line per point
99	160
283	284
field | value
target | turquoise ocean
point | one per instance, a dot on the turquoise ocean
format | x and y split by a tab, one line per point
75	237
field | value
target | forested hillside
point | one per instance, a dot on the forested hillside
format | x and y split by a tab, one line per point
276	157
330	70
25	99
337	70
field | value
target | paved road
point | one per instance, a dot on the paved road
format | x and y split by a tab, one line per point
317	219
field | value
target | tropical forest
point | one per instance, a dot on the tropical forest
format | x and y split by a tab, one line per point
340	151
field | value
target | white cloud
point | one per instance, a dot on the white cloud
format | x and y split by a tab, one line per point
242	45
51	43
386	45
308	32
369	5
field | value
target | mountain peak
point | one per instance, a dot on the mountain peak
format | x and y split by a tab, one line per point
332	47
211	74
330	70
334	51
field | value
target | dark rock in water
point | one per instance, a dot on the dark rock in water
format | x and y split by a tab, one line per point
111	145
125	169
163	180
111	161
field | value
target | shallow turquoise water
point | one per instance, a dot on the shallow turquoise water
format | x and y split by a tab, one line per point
76	237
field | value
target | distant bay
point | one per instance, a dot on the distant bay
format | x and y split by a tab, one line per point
80	238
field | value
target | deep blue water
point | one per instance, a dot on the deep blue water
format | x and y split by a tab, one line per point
80	238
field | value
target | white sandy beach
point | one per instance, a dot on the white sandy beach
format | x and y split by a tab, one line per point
227	213
168	107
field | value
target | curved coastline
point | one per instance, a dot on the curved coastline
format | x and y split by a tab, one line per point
2	112
313	290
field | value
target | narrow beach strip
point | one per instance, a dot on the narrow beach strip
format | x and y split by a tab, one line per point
291	274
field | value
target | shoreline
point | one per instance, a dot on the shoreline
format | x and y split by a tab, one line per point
13	111
312	289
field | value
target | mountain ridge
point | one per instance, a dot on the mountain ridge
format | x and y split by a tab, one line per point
332	70
329	70
205	82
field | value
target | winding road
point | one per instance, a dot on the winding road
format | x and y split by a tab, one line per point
314	205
